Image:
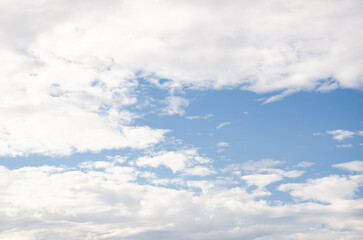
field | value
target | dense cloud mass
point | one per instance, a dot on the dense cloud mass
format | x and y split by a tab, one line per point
76	76
65	62
103	200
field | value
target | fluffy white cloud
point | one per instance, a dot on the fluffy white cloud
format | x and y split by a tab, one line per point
49	202
73	67
59	107
175	160
198	171
350	166
328	189
261	173
261	180
340	134
175	105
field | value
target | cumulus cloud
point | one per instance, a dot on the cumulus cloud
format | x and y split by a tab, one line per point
262	180
51	202
261	173
327	189
175	160
72	75
351	166
68	64
340	134
262	46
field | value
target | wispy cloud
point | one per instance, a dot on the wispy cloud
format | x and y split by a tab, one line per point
207	116
344	146
222	144
175	105
223	124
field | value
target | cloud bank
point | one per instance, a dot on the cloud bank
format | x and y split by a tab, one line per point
67	63
105	200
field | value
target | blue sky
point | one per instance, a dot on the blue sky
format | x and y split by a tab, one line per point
181	120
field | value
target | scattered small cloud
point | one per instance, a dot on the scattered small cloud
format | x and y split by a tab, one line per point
223	124
344	146
245	113
340	134
304	164
318	134
199	117
222	144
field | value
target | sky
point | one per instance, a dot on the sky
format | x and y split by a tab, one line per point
193	119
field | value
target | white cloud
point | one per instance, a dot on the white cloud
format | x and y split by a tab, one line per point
253	166
96	165
262	46
344	146
223	124
222	144
318	134
304	164
350	166
175	160
327	189
53	203
176	105
117	158
340	134
198	171
63	130
261	173
261	180
66	64
199	117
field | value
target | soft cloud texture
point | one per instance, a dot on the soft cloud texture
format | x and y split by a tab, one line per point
59	203
175	105
67	63
223	124
175	160
77	75
340	134
351	166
